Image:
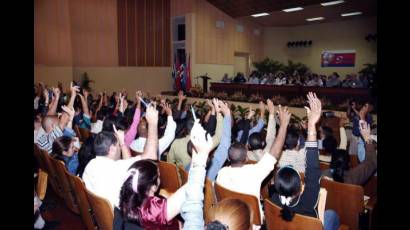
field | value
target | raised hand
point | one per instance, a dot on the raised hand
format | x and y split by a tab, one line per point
209	103
151	115
314	111
167	108
271	107
251	114
201	140
284	116
181	96
56	92
138	94
69	110
74	89
224	108
363	111
119	134
365	130
215	102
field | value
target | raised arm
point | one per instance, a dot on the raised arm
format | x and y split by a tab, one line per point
84	103
181	98
132	131
260	124
284	118
53	108
313	172
125	152
221	153
151	145
343	137
270	135
219	128
362	172
169	134
192	198
74	90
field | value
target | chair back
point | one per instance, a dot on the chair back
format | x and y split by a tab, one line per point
102	211
253	202
169	176
183	175
52	177
69	195
299	222
209	198
83	205
346	200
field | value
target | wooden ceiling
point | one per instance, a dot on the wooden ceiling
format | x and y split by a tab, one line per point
242	9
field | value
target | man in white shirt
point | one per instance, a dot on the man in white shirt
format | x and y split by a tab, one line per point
247	178
104	174
163	143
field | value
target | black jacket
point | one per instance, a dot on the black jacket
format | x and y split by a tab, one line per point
308	200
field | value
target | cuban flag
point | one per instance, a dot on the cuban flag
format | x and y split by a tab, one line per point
338	58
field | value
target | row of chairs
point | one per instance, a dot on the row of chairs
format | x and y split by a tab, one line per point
345	199
96	212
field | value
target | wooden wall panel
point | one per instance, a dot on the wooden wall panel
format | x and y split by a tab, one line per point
122	50
147	32
52	40
217	46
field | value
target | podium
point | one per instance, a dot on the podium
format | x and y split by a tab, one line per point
205	83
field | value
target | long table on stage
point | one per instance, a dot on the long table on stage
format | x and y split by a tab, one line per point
335	95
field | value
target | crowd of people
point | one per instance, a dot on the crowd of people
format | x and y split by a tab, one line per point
131	133
309	79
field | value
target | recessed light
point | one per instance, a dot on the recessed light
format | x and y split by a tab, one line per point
292	9
314	19
259	15
331	3
351	14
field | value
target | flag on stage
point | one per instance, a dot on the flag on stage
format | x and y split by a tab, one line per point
188	75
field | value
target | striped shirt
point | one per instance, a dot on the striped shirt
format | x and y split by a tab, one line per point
46	140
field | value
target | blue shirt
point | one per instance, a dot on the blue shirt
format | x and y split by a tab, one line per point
71	163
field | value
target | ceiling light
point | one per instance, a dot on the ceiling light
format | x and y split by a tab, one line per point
351	14
259	15
314	19
331	3
292	9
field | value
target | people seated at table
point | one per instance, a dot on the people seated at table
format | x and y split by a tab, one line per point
239	78
253	79
226	78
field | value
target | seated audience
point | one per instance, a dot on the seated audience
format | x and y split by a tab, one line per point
256	145
113	159
239	78
253	79
289	193
247	178
178	153
339	166
140	206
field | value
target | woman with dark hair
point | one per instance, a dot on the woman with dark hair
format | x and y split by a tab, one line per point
289	193
327	141
339	166
139	205
64	149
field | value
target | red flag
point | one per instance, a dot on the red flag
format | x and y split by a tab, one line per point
178	76
188	74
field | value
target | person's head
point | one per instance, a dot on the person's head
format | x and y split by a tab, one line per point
230	214
85	155
256	141
291	139
49	122
325	132
336	75
142	182
63	146
288	185
237	154
339	164
106	144
100	115
109	122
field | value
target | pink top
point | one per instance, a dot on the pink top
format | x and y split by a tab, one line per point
153	215
132	131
